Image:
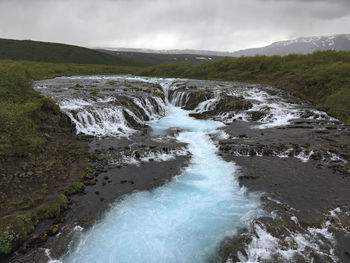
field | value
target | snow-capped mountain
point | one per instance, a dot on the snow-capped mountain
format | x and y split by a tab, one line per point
302	45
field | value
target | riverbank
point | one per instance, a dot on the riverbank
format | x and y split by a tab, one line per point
40	162
36	183
305	185
108	185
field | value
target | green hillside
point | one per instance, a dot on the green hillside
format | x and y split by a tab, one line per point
56	53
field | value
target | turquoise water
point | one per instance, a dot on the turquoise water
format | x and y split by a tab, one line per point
182	221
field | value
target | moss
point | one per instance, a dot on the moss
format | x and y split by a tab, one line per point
195	98
122	103
17	229
111	83
54	229
7	240
159	94
75	189
94	91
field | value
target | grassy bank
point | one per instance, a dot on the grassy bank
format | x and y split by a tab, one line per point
40	162
322	77
21	108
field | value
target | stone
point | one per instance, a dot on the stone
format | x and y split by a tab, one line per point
54	230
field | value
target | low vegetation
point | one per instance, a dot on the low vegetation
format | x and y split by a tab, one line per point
57	53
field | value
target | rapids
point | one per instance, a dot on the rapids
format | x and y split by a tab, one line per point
183	221
202	214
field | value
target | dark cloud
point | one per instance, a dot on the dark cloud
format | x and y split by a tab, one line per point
168	24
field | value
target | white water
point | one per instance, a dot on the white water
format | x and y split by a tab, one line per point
183	221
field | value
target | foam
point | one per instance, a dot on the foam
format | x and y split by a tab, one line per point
182	221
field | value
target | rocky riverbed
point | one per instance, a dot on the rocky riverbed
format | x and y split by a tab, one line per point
293	157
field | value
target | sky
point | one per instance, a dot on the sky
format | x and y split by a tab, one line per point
222	25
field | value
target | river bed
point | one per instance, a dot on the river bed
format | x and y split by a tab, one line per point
264	180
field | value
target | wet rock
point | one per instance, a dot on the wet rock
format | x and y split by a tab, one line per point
248	177
195	98
252	153
307	114
39	238
257	115
54	230
316	156
267	151
90	182
137	155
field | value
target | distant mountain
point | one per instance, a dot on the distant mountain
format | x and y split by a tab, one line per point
56	53
302	45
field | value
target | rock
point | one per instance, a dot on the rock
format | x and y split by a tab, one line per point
257	115
123	181
267	151
90	182
252	153
248	177
316	156
137	155
307	114
54	230
195	98
40	238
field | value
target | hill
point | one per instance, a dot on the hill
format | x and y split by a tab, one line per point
152	57
56	53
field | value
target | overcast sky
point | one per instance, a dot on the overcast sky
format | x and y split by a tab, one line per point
224	25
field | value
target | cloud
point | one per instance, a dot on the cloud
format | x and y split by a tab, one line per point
169	24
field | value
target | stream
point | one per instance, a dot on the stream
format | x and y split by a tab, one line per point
183	221
202	171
